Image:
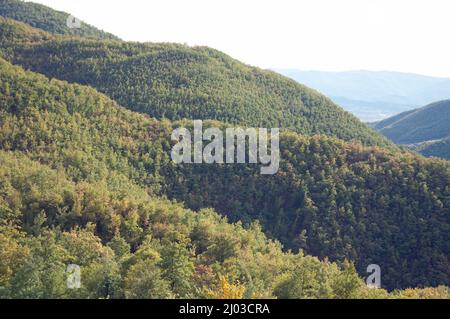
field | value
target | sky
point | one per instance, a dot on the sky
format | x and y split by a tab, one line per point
329	35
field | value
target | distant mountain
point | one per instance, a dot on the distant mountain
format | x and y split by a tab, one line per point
425	130
45	18
373	96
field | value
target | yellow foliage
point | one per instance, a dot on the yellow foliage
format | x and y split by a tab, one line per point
440	292
227	290
12	255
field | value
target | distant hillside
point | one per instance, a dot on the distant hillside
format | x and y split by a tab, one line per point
430	122
175	81
437	148
45	18
425	130
374	96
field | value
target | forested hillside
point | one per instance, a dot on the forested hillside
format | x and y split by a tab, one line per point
175	81
332	199
45	18
438	148
430	122
86	177
158	249
69	193
425	130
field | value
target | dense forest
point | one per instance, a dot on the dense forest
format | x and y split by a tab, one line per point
45	18
158	248
330	198
86	179
175	81
68	195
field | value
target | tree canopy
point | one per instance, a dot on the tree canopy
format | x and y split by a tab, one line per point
330	198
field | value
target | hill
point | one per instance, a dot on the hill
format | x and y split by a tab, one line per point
74	160
437	148
48	19
374	96
427	123
175	81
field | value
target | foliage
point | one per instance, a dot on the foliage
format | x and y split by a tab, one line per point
45	18
86	181
330	198
227	290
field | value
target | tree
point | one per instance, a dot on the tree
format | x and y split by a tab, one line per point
43	273
225	290
144	281
178	266
347	284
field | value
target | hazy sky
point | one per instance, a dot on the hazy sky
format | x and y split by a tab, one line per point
334	35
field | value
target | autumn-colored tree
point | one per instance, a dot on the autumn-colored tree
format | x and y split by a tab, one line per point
226	290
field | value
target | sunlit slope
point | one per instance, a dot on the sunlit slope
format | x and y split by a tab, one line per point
45	18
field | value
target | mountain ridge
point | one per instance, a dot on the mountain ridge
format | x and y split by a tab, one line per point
424	130
174	81
48	19
418	125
